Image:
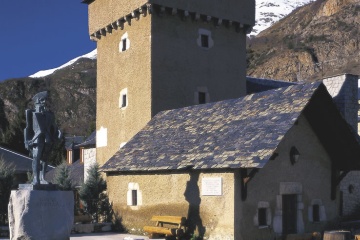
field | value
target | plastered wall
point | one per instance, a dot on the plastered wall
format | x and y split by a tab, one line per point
178	194
119	70
180	66
105	12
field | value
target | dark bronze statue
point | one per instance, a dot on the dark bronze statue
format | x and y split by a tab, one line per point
40	134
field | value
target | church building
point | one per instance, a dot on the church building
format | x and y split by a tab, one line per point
177	134
159	55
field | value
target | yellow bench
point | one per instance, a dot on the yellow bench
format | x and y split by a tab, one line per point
167	225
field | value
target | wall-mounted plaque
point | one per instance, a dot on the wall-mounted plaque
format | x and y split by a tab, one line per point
211	186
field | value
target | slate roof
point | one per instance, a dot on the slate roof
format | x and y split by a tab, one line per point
255	85
89	142
76	174
237	133
71	142
22	163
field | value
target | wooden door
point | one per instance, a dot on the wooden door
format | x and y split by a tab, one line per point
289	217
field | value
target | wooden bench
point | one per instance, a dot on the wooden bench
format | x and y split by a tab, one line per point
167	225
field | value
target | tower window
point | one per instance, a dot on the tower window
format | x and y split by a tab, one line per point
202	97
124	43
123	104
123	99
204	41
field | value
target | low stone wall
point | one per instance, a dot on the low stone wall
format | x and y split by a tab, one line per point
91	227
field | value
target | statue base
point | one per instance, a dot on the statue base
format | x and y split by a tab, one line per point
46	187
38	214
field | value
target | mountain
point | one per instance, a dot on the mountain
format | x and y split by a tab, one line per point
316	40
270	12
72	91
319	38
44	73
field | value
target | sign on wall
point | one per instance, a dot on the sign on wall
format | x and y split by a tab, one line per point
211	186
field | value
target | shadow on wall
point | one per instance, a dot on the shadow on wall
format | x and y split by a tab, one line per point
192	196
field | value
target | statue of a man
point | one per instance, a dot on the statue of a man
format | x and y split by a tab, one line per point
40	134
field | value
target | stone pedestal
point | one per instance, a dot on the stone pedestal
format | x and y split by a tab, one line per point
41	215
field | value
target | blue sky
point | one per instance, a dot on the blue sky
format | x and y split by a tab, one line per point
41	34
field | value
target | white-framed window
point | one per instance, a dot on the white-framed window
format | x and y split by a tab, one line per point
201	95
134	195
123	99
204	39
124	43
316	211
263	216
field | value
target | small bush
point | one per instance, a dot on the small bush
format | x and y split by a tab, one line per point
91	193
7	172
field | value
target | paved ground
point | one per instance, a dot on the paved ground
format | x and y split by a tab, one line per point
106	236
103	236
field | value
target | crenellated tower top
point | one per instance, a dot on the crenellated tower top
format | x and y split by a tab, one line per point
107	15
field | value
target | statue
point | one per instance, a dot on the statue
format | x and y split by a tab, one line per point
40	134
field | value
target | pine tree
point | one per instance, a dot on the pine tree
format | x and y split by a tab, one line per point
63	177
6	183
91	191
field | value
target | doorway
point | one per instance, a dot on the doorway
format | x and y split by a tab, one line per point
289	217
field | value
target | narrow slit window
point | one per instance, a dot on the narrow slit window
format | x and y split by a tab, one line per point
262	216
124	100
134	197
124	44
202	97
204	41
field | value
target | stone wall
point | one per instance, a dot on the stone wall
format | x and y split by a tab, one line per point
344	90
89	160
350	188
308	178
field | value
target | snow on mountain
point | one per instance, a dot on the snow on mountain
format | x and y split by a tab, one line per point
269	12
43	73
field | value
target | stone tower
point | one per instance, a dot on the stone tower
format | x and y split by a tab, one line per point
163	54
